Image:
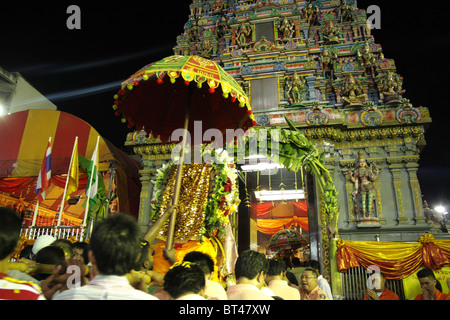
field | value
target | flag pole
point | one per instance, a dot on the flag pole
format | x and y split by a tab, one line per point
90	180
67	182
36	209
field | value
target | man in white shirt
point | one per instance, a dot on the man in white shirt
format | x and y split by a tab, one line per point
113	252
321	281
250	271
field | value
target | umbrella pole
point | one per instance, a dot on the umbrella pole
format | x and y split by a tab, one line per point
153	231
177	188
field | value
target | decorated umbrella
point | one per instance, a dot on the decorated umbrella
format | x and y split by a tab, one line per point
176	92
286	239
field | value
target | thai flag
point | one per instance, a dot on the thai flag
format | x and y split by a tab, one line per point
45	174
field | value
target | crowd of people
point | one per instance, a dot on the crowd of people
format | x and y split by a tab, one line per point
117	265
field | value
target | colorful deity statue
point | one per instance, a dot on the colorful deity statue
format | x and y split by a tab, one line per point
346	12
328	60
295	85
352	92
390	88
194	32
205	48
363	177
286	29
222	27
218	6
242	34
368	59
311	14
331	33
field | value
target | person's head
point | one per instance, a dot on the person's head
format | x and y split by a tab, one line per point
276	271
80	250
313	264
251	265
203	260
377	282
308	279
296	262
9	232
50	255
145	257
66	245
53	255
427	280
115	244
185	278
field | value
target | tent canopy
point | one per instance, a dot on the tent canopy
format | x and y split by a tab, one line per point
24	136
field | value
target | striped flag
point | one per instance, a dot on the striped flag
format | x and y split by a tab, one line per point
45	174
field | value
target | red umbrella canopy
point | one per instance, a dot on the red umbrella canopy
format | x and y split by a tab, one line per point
156	98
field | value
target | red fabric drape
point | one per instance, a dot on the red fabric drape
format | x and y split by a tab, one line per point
300	208
263	208
10	185
60	181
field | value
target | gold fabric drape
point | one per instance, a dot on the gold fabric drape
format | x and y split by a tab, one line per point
396	260
191	206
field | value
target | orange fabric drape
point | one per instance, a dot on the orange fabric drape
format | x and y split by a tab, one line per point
396	260
271	226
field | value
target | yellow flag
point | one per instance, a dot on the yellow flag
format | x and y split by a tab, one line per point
72	185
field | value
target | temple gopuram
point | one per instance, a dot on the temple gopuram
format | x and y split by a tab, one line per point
317	64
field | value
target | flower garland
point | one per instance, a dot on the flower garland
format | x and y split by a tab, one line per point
223	198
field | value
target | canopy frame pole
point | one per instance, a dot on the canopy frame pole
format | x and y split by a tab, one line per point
179	176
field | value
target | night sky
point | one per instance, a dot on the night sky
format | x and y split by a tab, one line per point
81	70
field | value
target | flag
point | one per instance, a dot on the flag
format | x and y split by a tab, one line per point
92	186
72	176
45	173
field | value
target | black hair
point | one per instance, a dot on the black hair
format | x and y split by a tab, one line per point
313	264
249	264
296	262
53	255
26	252
184	278
203	260
85	247
292	278
424	273
276	267
9	231
115	244
50	255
